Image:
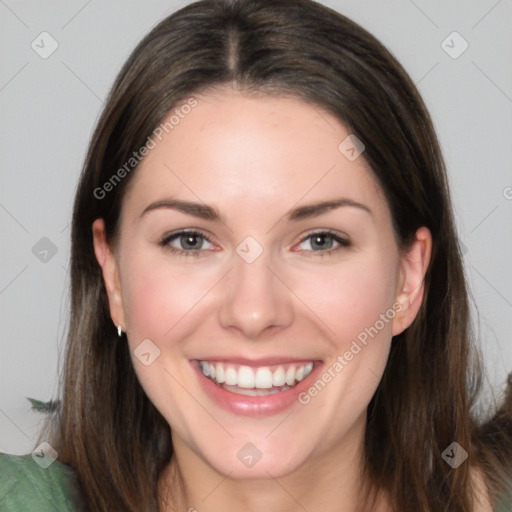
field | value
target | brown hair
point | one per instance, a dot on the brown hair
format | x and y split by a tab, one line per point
426	398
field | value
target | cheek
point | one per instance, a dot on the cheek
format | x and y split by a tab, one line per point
351	297
158	294
159	298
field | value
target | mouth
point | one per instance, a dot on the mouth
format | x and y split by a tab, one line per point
256	381
255	389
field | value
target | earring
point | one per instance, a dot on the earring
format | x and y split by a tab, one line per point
119	331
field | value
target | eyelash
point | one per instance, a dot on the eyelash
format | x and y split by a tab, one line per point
343	243
169	238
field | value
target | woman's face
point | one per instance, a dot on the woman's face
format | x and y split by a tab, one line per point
260	292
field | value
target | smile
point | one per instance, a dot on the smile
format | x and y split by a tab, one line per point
259	381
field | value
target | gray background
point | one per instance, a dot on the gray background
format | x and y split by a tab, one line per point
49	108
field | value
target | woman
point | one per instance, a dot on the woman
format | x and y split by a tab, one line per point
268	303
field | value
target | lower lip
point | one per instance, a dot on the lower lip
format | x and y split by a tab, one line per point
254	405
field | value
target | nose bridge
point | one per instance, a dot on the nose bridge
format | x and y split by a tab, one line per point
254	298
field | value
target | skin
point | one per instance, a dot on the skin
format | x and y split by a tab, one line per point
254	158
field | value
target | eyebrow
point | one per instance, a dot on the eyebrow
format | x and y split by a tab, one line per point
206	212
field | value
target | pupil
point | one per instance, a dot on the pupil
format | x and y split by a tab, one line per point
319	240
189	239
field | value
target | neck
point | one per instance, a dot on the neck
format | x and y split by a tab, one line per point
329	482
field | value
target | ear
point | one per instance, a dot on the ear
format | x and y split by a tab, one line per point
110	272
411	284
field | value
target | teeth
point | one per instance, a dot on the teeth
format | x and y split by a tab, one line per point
278	378
290	376
219	373
205	367
231	376
263	378
245	377
255	391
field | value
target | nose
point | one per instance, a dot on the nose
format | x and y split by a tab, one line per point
255	299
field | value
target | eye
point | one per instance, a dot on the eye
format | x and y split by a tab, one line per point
190	241
322	242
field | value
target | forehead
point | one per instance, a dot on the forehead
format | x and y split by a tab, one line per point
263	153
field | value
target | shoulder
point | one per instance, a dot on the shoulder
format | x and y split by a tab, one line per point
482	497
27	484
480	490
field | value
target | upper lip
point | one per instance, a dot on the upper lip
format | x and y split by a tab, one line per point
263	361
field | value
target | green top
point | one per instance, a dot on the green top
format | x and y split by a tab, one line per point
39	484
29	484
